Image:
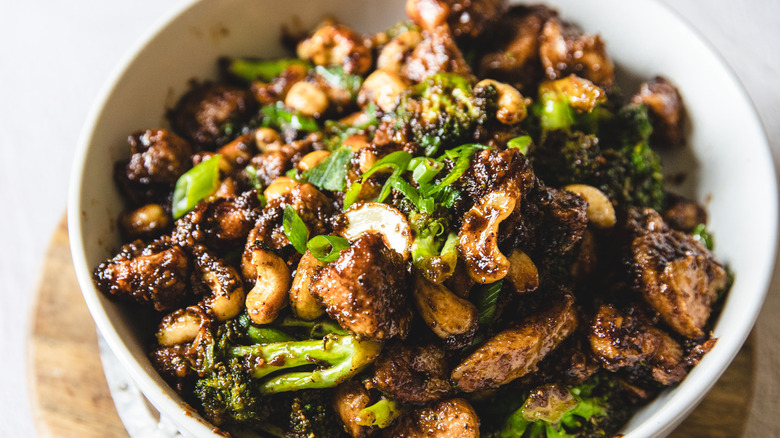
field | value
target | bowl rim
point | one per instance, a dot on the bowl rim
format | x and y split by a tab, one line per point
660	423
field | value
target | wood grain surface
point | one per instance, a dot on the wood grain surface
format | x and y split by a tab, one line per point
70	395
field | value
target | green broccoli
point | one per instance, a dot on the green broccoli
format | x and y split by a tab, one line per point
239	364
441	112
228	395
596	408
588	144
380	414
435	244
312	416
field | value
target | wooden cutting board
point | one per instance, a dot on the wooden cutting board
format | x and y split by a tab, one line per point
70	396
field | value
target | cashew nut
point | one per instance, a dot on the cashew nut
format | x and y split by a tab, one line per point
267	140
511	104
600	211
393	53
383	88
312	159
522	275
227	293
269	295
375	217
445	313
146	221
307	98
349	399
478	237
181	326
281	186
304	305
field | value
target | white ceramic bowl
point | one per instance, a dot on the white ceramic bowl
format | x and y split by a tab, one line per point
728	161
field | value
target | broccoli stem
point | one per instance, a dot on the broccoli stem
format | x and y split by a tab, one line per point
317	329
381	414
343	357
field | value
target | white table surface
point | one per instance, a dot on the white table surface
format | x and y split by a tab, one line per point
55	57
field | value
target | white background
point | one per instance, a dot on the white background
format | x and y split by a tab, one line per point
55	56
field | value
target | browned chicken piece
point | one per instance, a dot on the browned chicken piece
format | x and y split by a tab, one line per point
684	214
239	150
518	350
365	289
349	399
437	52
626	340
490	170
313	207
679	278
666	111
156	275
515	59
473	18
337	45
642	221
276	90
204	113
571	364
219	224
158	156
564	50
412	374
454	418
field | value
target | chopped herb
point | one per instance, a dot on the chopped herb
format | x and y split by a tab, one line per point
488	301
351	195
700	233
331	173
195	185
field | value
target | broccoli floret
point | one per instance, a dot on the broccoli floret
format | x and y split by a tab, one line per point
236	361
228	395
336	358
595	408
612	154
311	416
380	414
441	112
435	244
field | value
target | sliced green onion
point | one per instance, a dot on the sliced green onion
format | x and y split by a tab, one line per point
398	161
352	194
327	248
331	173
462	164
253	69
424	169
195	185
421	203
279	117
251	175
295	229
521	143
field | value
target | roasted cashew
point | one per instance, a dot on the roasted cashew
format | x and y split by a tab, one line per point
445	313
227	293
375	217
348	400
281	186
392	56
512	106
383	88
181	326
304	305
600	212
522	275
312	159
269	295
146	221
267	140
307	98
478	236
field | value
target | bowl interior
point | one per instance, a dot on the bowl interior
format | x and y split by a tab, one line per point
727	163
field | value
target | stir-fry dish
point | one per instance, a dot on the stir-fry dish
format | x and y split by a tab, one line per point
454	227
